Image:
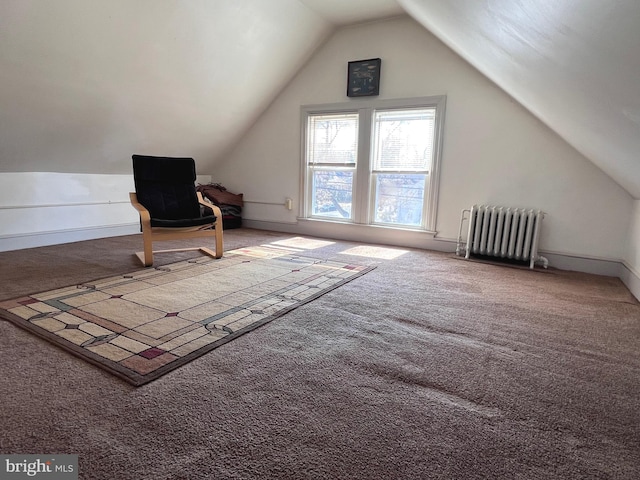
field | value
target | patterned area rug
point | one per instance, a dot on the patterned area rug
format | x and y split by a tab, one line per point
143	325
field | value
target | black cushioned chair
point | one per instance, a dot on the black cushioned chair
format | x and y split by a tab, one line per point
169	206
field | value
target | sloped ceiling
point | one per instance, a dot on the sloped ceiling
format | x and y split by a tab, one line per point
575	64
85	84
341	12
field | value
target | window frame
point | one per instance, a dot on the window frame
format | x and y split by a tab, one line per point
362	201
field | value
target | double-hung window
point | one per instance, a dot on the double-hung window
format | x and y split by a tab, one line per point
375	165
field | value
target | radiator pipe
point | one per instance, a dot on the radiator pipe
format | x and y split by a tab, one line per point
459	243
544	260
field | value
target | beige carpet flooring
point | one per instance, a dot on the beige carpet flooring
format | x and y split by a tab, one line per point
428	367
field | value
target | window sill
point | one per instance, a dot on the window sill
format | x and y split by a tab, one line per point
376	227
378	234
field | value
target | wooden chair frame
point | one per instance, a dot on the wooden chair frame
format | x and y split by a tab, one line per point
156	234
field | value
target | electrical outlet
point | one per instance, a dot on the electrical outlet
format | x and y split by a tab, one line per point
288	203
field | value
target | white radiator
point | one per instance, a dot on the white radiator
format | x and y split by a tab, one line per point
504	232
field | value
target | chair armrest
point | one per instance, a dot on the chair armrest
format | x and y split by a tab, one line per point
145	216
216	210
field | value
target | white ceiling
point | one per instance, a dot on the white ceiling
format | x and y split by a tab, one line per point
575	64
343	12
77	95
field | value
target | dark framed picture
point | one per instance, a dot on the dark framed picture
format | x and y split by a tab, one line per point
363	77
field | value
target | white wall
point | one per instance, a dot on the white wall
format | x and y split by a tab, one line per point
631	270
632	257
43	208
494	150
85	84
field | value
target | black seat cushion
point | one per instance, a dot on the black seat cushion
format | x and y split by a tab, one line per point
184	222
166	187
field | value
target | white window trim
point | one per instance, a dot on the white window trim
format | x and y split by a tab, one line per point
365	108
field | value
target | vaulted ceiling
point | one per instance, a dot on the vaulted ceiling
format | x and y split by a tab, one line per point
341	12
81	83
575	64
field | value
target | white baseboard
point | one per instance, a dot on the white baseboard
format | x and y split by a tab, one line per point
42	239
597	266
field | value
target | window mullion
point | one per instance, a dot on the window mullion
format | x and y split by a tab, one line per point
363	171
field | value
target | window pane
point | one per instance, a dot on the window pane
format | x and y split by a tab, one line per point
404	140
332	139
332	193
399	199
